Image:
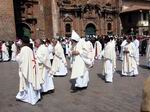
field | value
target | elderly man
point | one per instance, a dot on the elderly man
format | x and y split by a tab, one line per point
129	64
43	67
81	61
28	87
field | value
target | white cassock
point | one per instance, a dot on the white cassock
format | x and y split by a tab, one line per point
59	62
43	69
51	50
90	51
136	43
129	65
122	47
28	85
98	50
109	61
14	51
148	54
5	54
81	64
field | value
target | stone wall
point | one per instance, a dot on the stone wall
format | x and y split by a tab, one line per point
7	23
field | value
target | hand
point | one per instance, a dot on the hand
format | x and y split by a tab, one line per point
75	53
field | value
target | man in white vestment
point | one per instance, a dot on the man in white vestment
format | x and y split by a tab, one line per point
28	91
80	62
59	66
98	50
50	50
148	54
14	51
136	43
5	54
43	66
129	64
89	49
122	47
109	61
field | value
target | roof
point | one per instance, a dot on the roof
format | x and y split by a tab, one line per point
130	6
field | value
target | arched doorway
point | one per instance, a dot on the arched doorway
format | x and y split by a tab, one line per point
23	29
90	29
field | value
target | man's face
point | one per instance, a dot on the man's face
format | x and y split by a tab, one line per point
37	43
54	42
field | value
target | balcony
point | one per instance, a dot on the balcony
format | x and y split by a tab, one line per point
143	23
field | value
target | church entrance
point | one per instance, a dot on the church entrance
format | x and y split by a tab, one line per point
90	29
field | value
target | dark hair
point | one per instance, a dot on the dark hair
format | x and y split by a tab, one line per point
25	39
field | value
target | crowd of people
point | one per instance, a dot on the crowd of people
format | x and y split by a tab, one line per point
40	60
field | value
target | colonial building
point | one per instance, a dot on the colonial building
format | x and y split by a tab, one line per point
135	17
88	17
33	18
51	18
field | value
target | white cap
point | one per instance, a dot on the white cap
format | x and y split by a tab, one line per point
75	36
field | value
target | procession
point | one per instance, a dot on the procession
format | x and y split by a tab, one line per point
74	55
40	61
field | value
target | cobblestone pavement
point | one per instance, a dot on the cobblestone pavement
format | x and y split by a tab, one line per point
123	95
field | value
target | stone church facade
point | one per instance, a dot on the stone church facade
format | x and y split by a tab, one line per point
51	18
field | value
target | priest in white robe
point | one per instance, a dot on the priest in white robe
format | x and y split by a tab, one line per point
14	51
148	54
5	54
129	64
98	50
28	91
122	47
59	66
136	43
109	61
43	67
80	62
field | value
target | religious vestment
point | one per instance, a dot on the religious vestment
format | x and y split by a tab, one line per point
136	43
122	47
43	66
148	54
5	54
109	61
14	51
81	62
59	66
98	50
28	91
129	64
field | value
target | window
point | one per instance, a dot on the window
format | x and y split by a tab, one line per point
68	28
109	26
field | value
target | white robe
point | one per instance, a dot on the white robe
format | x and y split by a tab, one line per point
14	52
148	54
136	43
5	54
43	69
109	61
28	87
59	62
81	73
122	47
51	51
129	65
98	50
